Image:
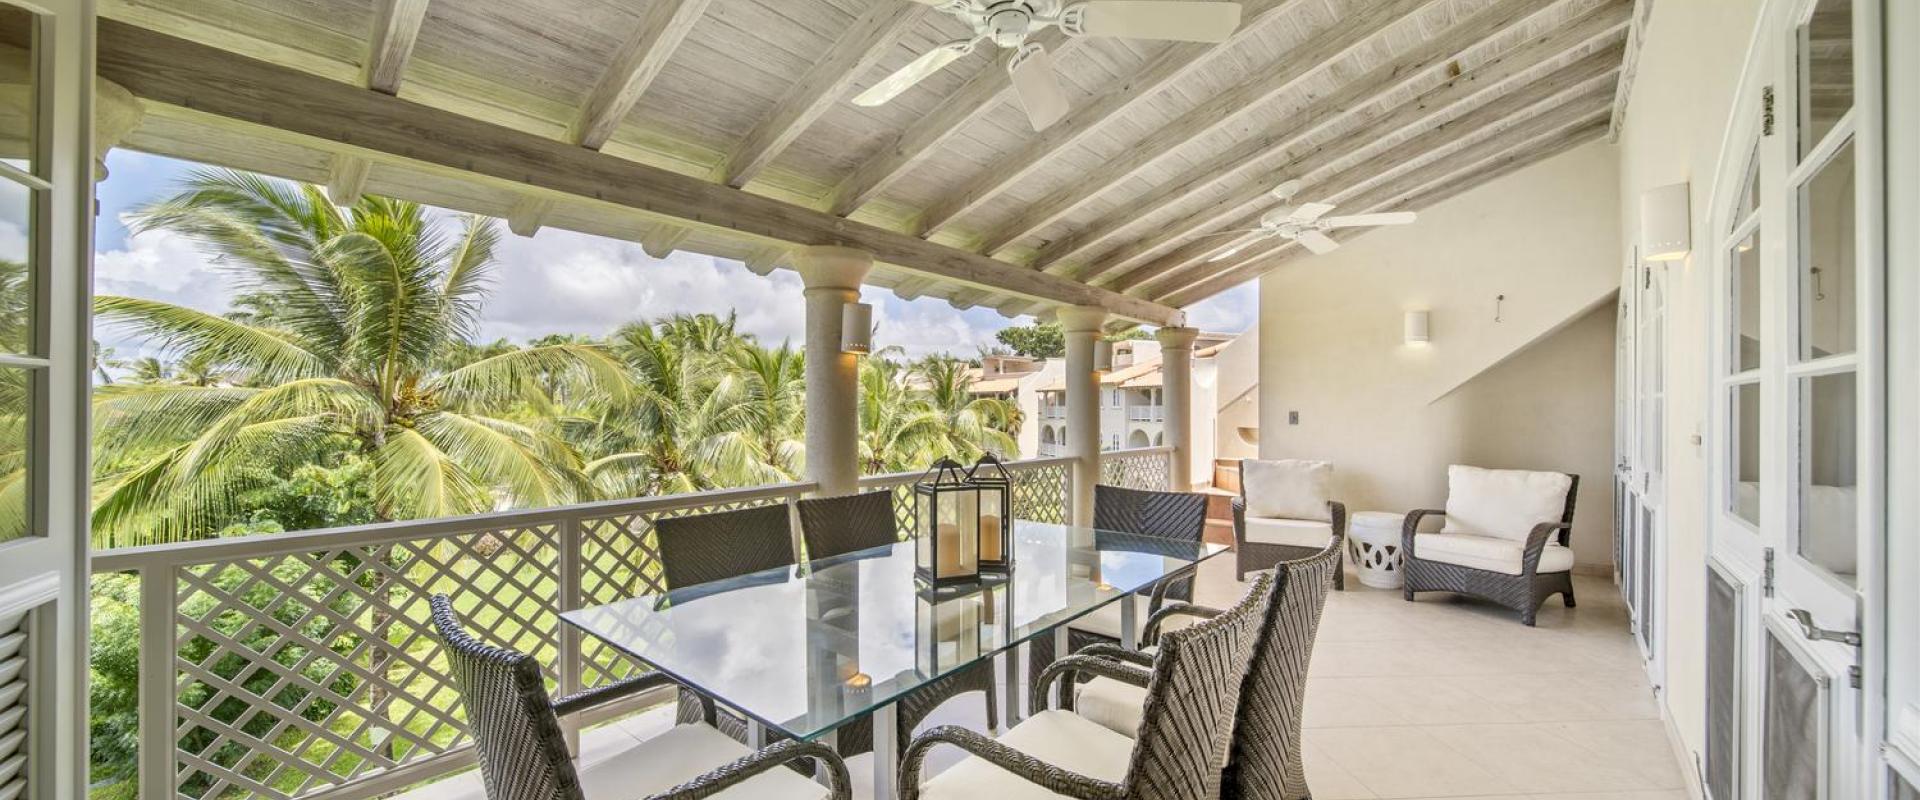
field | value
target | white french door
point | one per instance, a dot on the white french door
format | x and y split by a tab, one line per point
1639	478
1894	650
1797	423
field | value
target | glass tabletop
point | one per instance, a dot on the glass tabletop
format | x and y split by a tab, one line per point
803	651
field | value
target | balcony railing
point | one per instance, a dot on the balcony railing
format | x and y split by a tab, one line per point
301	664
1147	414
1053	412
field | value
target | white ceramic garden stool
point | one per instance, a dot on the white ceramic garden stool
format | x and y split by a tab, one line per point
1373	542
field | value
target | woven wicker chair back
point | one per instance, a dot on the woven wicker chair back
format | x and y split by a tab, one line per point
522	752
835	525
1188	719
1169	515
699	548
1265	762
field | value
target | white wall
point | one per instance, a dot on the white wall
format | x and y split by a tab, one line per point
1677	117
1388	414
1237	395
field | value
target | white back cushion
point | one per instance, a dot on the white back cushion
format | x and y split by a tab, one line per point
1287	488
1503	502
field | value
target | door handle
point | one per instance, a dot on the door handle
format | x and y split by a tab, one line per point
1816	633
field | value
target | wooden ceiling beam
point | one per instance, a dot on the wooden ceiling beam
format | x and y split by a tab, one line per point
346	178
528	214
396	26
663	26
1177	61
663	239
332	116
1592	128
856	51
1264	153
1216	112
1484	131
980	94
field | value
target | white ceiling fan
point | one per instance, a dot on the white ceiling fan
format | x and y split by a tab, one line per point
1306	223
1008	23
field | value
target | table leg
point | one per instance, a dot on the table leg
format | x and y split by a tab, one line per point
1012	658
1129	622
886	753
756	735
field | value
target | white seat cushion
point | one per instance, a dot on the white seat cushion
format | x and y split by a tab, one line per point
1505	503
1112	705
1491	553
1287	488
1293	532
680	755
1060	738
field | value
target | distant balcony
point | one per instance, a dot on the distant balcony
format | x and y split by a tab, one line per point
1053	412
1147	414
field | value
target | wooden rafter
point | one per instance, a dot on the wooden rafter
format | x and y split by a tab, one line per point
341	118
1471	139
396	26
1218	111
665	24
1242	208
664	239
1171	64
1263	154
981	93
1475	176
825	83
346	178
528	214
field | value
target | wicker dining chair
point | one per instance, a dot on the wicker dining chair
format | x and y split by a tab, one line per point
699	549
1265	761
1192	689
1503	542
524	756
1285	511
1177	516
833	526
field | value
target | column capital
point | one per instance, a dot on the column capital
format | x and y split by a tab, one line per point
1176	338
831	267
1081	319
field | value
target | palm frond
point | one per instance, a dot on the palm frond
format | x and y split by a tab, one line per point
499	380
413	479
510	456
266	355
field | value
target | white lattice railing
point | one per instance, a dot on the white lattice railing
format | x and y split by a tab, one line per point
1138	468
302	665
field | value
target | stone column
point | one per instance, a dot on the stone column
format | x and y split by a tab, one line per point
1082	327
832	276
1176	382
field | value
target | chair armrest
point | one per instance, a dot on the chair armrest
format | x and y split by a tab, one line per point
1116	653
1412	526
1239	521
1337	512
1537	544
1151	634
1157	600
1041	773
773	757
618	690
1062	670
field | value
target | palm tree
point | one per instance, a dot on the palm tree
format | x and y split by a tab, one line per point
969	425
345	314
776	392
899	430
690	422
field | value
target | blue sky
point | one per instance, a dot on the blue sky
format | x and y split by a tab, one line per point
560	282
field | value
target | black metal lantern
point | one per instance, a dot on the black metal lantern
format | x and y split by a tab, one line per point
996	512
947	514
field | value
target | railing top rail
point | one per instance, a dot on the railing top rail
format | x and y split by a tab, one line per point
264	544
1134	452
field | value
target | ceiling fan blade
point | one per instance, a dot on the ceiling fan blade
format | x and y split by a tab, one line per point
1358	220
1286	190
1308	212
1231	232
1227	253
1318	242
1037	86
914	72
1154	19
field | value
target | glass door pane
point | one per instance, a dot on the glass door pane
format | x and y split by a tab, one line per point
1827	306
1828	479
1824	63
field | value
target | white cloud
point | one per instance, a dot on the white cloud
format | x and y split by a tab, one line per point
1231	311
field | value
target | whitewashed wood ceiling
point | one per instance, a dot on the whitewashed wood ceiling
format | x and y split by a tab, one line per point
1373	104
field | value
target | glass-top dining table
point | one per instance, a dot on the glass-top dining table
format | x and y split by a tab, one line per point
803	650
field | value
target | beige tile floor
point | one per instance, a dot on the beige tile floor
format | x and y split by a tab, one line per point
1440	698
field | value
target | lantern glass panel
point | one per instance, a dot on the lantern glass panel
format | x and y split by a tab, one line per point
992	525
923	538
957	534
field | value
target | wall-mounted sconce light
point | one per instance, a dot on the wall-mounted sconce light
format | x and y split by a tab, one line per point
856	328
1417	324
1102	355
1666	227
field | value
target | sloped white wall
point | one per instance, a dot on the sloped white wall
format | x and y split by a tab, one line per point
1391	416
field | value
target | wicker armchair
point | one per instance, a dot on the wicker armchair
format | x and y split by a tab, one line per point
1265	761
1291	515
703	548
1503	541
1192	690
523	754
833	526
1175	516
